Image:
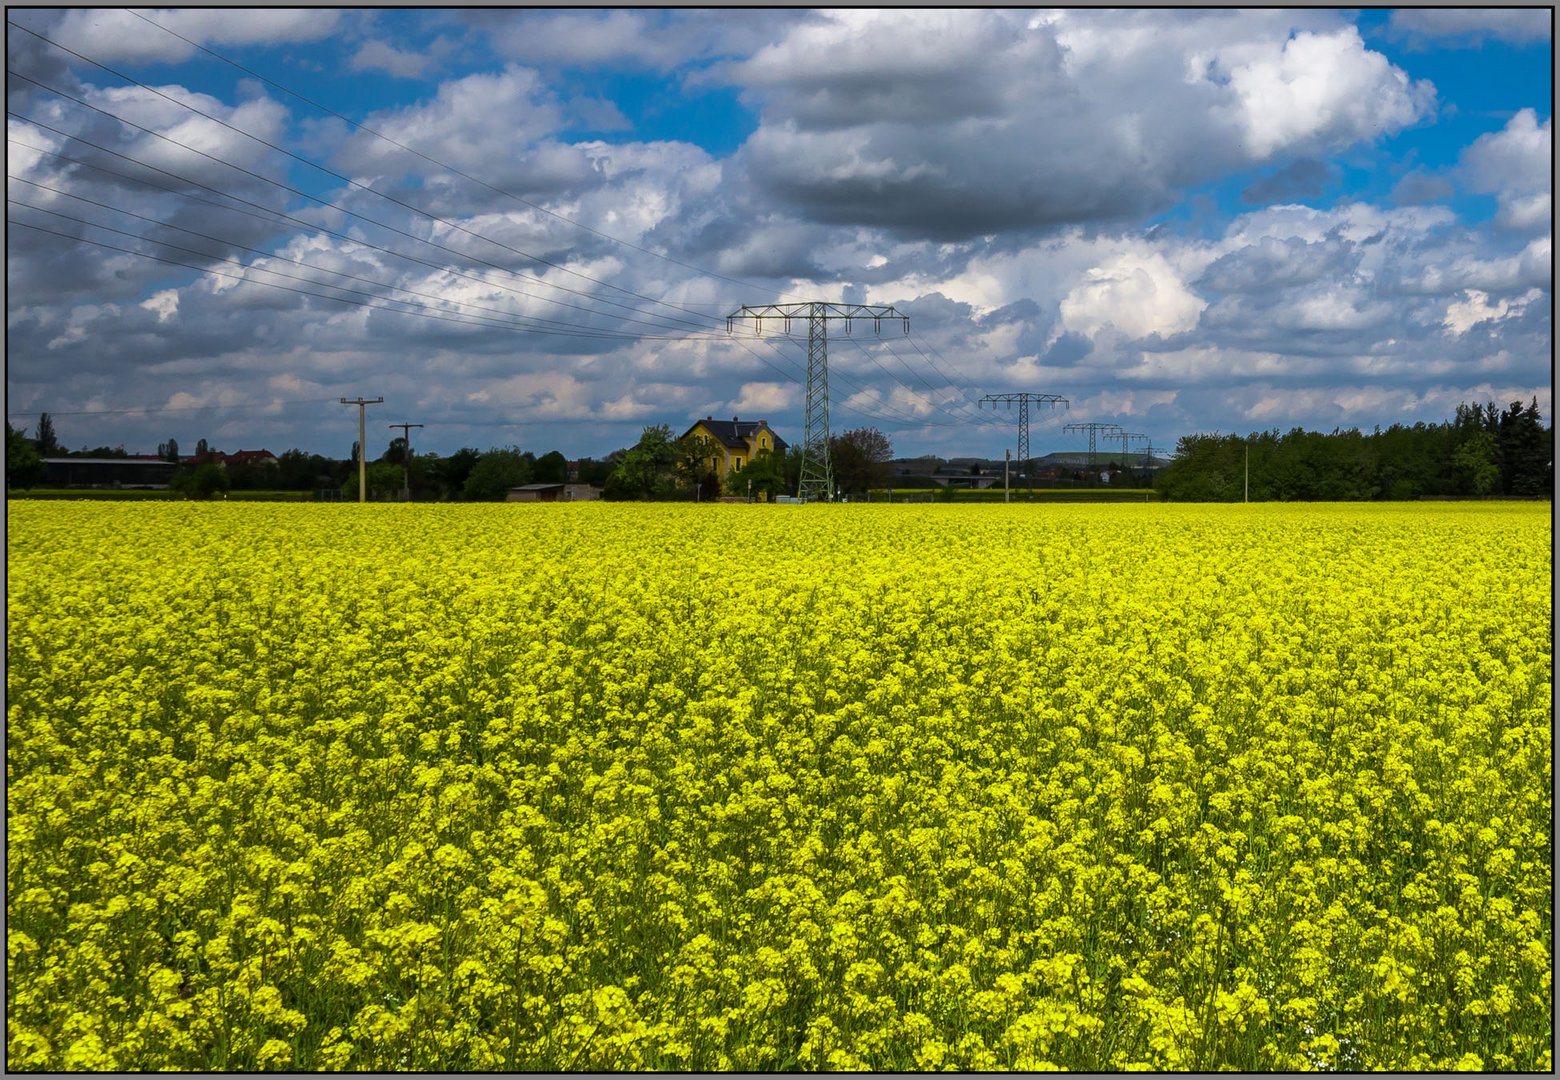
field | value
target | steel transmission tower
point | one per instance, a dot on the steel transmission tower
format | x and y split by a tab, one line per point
1094	428
1126	436
817	474
1126	459
1023	400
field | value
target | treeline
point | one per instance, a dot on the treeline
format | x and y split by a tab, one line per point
466	475
1482	451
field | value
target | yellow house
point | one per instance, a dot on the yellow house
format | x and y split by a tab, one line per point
740	441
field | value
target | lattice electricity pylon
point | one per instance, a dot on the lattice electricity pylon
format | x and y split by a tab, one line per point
1148	465
1126	454
817	473
1023	400
1094	428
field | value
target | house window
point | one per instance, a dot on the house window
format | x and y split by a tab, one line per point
739	463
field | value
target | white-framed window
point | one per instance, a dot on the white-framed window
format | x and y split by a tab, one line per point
739	464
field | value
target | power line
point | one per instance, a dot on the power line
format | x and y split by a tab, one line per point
424	313
452	169
331	173
1094	428
564	329
546	324
947	409
337	206
965	393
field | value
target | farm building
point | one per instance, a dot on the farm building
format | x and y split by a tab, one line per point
553	493
109	472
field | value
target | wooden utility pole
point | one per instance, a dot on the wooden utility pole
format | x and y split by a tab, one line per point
362	442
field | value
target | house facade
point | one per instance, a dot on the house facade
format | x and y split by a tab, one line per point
740	441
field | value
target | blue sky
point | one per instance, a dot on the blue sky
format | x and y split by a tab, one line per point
1181	220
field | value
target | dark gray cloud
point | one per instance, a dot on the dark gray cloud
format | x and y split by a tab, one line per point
1303	179
1272	263
1418	188
961	124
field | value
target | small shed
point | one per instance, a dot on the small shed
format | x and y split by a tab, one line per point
553	493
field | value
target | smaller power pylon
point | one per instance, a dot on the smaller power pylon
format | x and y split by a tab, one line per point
1094	428
1023	400
1148	453
1126	452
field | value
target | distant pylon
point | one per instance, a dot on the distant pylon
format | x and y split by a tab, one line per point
817	481
1023	400
1094	428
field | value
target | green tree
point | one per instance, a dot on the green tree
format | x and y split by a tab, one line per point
383	480
694	469
1206	468
495	472
254	476
1474	465
551	468
1524	450
47	441
648	470
298	470
859	459
24	466
449	474
203	481
169	451
764	477
595	472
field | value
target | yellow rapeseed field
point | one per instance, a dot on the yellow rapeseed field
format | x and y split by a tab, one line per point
764	787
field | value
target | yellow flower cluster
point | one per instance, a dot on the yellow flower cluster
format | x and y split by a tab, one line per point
748	787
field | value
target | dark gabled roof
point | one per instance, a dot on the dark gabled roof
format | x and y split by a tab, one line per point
734	432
